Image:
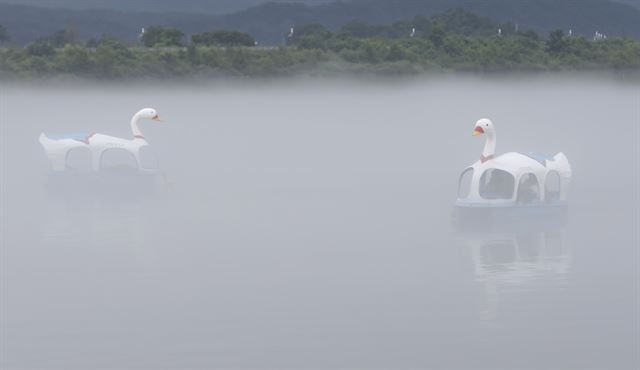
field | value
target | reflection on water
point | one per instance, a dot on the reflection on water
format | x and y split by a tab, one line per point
121	183
517	258
106	207
513	258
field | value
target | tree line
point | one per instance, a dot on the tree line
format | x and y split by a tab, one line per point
454	40
268	21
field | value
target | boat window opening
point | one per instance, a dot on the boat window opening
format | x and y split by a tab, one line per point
148	158
528	189
78	159
552	186
118	160
496	184
464	185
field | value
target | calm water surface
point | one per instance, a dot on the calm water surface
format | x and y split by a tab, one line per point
308	225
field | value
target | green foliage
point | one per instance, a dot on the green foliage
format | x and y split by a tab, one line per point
92	43
310	36
74	59
456	21
162	37
396	53
311	29
443	43
530	34
557	42
58	39
437	35
41	48
223	38
112	59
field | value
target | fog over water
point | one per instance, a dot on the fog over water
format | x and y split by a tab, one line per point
308	224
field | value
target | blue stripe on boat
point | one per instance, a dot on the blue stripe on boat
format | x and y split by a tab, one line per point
80	136
541	158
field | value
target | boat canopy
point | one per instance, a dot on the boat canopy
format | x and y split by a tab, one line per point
515	178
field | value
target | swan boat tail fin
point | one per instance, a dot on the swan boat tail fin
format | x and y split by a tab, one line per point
561	164
57	149
43	139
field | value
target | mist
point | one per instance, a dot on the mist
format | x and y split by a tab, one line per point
308	224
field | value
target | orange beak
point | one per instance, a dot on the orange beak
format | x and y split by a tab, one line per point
478	131
157	118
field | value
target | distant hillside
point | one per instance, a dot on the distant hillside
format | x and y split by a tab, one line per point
189	6
584	17
634	3
268	23
157	6
25	24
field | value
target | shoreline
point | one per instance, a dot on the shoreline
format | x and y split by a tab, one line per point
624	77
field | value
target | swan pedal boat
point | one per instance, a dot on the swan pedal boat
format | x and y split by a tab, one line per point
59	147
512	187
91	148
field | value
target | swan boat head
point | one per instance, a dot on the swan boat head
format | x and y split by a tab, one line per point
149	113
484	126
146	113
